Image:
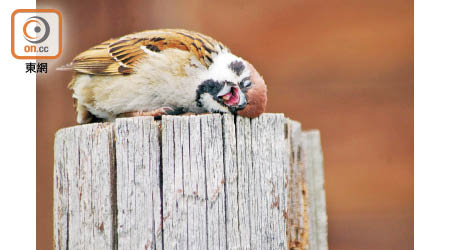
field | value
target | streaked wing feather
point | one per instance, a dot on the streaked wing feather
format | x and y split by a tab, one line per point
120	56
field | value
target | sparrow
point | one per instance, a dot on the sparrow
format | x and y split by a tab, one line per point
163	72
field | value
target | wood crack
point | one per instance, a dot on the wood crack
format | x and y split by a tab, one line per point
189	182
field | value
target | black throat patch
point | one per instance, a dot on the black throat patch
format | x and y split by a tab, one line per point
213	87
208	86
237	67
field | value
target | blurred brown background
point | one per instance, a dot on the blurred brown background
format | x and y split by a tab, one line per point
342	66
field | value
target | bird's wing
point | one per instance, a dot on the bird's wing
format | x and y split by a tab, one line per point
120	56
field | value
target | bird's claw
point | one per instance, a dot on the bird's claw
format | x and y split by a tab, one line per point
156	113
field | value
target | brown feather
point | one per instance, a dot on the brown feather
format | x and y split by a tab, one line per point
257	95
120	56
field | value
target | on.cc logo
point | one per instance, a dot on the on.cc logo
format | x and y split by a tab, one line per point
36	34
42	29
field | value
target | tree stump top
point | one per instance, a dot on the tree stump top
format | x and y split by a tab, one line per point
189	182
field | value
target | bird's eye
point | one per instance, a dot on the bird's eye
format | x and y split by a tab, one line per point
246	83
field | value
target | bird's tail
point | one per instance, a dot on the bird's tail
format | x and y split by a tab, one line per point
67	67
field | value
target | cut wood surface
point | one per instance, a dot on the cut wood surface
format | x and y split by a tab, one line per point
189	182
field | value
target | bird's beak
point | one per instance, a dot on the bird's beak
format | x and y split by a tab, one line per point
242	99
225	90
232	95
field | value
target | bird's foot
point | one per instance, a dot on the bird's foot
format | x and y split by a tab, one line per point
189	114
156	113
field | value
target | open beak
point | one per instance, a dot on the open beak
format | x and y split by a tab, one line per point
232	96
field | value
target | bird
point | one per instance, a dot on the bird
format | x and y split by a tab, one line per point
163	72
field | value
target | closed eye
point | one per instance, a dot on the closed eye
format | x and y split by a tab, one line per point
245	83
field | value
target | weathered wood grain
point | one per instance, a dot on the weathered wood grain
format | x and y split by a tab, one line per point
266	181
233	232
138	184
189	182
245	178
84	160
314	179
297	207
63	142
193	181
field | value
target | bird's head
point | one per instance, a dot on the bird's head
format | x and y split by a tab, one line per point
232	85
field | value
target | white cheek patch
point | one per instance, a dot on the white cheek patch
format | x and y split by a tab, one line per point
211	105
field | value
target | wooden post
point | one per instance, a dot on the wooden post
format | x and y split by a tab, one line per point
189	182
